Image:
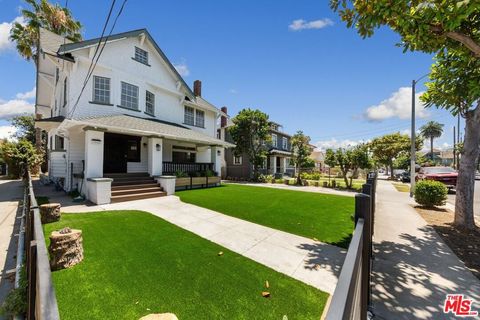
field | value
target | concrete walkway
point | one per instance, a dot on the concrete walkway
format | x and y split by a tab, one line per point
413	268
11	192
315	263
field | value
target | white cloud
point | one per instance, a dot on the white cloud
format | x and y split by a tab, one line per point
399	105
301	24
5	28
335	144
233	91
182	69
18	106
27	95
6	132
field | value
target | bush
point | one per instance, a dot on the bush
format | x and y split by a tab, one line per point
265	178
430	193
181	174
310	176
16	301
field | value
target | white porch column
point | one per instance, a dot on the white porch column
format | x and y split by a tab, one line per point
216	159
273	164
94	143
284	162
155	156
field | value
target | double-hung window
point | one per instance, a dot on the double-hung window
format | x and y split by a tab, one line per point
284	143
237	160
141	55
274	140
129	97
149	103
189	116
101	90
200	118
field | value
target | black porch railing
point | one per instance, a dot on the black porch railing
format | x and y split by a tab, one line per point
186	167
41	299
351	299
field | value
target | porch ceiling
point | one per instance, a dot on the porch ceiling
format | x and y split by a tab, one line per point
149	127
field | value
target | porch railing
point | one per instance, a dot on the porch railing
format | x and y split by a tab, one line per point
351	299
41	299
187	167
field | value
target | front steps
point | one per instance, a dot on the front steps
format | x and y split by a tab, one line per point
134	186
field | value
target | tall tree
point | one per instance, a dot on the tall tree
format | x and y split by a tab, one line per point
431	130
301	152
450	30
349	161
250	133
43	15
389	147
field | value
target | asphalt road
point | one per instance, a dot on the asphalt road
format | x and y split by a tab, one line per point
451	199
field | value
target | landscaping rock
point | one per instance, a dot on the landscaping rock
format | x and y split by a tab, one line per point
50	212
66	248
159	316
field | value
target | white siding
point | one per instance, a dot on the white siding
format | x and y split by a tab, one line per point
58	164
76	148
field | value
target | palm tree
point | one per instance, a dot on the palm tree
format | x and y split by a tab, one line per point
45	15
431	130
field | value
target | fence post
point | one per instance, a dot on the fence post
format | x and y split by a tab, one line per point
363	210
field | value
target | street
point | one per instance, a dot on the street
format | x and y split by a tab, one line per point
451	199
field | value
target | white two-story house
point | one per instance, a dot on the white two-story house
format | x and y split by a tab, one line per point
127	116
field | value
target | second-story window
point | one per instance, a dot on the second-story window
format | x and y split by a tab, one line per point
141	55
129	97
189	116
200	118
150	103
101	90
274	140
284	143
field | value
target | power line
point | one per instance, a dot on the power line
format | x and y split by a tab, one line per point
100	53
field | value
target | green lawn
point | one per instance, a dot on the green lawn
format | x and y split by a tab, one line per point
325	217
136	264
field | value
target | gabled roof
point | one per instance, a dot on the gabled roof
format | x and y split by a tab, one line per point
69	47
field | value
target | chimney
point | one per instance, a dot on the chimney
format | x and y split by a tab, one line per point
197	88
223	119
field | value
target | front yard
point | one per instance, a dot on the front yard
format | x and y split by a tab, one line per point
136	264
325	217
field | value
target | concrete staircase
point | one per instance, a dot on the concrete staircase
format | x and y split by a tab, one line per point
134	186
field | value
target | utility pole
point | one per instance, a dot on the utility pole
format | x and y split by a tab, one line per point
412	141
454	151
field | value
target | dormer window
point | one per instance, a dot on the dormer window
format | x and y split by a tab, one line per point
141	56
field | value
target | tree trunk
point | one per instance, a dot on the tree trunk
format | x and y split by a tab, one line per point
431	148
391	170
464	216
344	173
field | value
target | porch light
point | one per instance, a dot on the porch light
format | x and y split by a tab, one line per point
158	147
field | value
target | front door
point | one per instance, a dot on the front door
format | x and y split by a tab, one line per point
115	153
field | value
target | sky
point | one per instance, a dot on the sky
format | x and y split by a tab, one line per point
294	60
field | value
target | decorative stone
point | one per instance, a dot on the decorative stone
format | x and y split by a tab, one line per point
66	248
159	316
50	212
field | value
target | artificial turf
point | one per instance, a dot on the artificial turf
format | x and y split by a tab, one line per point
325	217
136	264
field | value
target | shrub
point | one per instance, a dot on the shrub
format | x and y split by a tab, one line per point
265	178
16	301
430	193
181	174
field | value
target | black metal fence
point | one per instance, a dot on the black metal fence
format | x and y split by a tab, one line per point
351	299
41	299
186	167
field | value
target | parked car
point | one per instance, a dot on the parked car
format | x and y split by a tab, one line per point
477	175
405	177
397	173
446	175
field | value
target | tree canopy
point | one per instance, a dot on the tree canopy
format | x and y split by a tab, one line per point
301	151
52	17
250	133
349	161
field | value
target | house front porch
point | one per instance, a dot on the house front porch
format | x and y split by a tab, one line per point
104	153
278	164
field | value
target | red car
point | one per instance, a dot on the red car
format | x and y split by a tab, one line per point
446	175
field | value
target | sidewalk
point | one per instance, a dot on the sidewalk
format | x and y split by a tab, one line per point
11	192
297	188
312	262
413	268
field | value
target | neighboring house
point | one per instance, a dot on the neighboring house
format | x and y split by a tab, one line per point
279	153
442	157
319	158
135	117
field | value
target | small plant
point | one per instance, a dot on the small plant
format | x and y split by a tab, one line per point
181	174
16	301
210	173
430	193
